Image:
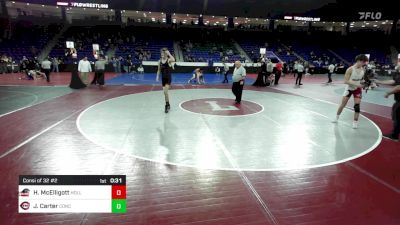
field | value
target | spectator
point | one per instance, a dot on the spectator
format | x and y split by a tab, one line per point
217	70
3	64
140	69
119	64
55	62
99	68
84	68
11	63
279	68
46	67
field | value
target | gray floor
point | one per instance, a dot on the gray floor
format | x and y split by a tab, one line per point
17	97
291	132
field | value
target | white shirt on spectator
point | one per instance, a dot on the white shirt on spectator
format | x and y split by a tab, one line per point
300	68
331	68
84	66
46	64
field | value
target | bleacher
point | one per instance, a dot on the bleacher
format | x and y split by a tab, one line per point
363	42
274	51
318	52
123	41
217	52
142	44
377	55
27	40
83	37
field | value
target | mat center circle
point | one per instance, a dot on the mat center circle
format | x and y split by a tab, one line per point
221	107
282	131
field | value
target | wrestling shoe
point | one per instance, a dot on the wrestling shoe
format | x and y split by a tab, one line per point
355	124
167	108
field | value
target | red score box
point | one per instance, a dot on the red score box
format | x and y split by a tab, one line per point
119	192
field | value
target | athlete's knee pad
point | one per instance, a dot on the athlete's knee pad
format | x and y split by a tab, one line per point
357	108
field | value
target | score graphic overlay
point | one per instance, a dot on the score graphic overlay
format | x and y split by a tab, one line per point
72	194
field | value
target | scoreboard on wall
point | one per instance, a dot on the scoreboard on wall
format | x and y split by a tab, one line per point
72	194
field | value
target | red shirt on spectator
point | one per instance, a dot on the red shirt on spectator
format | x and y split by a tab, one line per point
279	66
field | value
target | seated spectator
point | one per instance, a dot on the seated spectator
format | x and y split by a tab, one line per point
11	63
140	69
3	64
217	70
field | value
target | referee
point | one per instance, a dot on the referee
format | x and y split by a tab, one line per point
46	66
239	74
396	106
99	68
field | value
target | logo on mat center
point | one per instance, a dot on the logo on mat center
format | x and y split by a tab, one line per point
221	107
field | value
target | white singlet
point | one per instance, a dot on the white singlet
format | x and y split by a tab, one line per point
356	76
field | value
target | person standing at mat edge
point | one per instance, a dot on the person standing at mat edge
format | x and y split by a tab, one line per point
226	71
239	74
46	67
300	71
84	68
396	106
353	77
279	68
165	68
99	67
331	69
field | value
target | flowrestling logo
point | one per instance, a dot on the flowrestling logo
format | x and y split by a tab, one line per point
83	5
370	15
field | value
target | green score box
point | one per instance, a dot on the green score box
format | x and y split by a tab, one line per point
118	206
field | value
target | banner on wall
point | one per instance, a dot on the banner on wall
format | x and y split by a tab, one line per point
70	44
96	49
